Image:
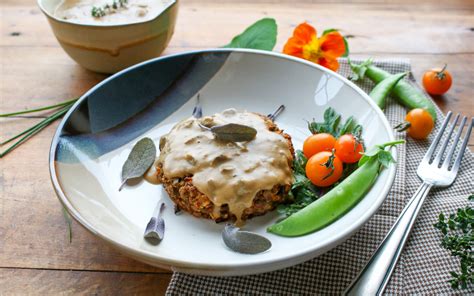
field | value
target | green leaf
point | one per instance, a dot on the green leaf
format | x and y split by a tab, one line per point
233	132
372	151
139	160
260	35
346	53
348	126
327	31
299	163
244	241
385	158
359	70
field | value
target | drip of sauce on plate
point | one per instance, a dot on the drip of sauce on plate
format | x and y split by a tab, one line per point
133	11
227	172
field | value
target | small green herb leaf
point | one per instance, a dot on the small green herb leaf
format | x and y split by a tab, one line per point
348	126
331	125
244	241
139	160
233	132
260	35
385	158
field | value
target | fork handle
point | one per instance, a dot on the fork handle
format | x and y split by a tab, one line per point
375	276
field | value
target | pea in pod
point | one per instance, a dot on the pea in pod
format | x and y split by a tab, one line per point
381	91
406	94
338	200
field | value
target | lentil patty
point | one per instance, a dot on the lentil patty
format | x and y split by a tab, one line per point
188	198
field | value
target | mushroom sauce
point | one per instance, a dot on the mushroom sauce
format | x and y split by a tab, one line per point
131	11
229	173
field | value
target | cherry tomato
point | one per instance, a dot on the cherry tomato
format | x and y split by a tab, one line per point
437	81
348	149
317	143
319	173
421	123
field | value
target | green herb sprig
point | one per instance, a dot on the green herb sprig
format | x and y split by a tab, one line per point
99	12
61	109
458	239
332	125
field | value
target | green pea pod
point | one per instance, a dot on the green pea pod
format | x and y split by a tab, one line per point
381	91
332	205
406	94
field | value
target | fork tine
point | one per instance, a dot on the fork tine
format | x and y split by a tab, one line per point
433	145
457	162
439	156
451	151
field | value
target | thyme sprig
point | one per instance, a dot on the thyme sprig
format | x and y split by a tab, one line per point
61	109
99	12
458	239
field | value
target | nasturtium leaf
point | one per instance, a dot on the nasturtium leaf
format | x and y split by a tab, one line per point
260	35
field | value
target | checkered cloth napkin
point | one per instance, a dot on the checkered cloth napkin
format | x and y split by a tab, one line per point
424	265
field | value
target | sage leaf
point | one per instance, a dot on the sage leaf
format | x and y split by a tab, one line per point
244	241
197	111
139	160
155	229
260	35
233	132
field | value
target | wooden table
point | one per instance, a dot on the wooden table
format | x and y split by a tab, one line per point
35	254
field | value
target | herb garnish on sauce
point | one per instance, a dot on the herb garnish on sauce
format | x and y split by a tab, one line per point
108	8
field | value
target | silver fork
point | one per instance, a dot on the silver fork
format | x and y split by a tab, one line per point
435	172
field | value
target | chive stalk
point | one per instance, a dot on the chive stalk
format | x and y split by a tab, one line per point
65	103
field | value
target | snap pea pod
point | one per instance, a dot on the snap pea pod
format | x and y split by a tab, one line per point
381	91
340	199
406	94
332	205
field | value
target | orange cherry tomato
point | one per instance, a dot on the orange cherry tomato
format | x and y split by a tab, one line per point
421	123
437	81
317	143
348	149
319	173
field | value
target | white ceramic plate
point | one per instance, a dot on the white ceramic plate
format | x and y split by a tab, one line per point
95	137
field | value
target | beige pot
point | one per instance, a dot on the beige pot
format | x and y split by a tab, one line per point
111	48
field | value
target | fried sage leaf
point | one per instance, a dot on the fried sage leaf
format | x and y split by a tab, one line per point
139	160
197	111
233	132
244	241
155	229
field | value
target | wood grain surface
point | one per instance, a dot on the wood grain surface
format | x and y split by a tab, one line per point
35	254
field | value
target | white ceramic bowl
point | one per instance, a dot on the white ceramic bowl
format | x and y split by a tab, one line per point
95	137
111	48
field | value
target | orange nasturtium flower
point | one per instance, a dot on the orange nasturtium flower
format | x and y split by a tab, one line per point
323	50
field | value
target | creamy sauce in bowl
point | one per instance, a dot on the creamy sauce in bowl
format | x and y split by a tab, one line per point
227	172
110	12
